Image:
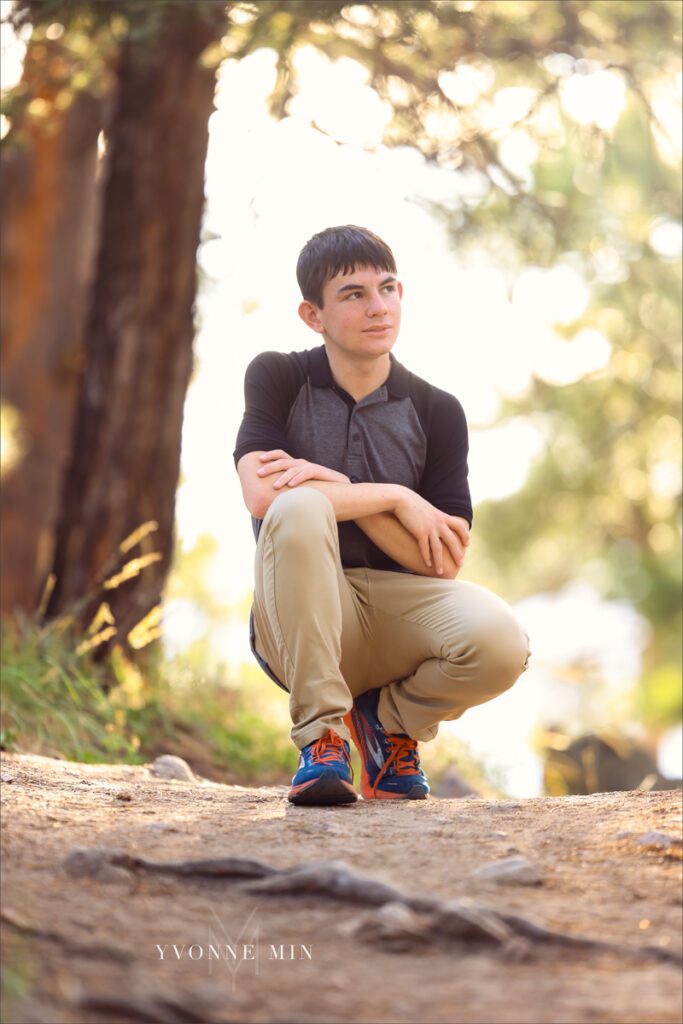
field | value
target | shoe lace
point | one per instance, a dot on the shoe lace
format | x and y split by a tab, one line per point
329	748
403	759
404	755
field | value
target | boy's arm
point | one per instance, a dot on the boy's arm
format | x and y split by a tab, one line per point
404	525
348	500
391	536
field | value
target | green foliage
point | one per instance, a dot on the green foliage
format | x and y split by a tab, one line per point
658	702
18	974
58	703
241	721
54	702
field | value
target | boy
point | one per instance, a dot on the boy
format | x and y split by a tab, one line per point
355	474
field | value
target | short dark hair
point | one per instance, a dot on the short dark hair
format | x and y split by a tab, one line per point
339	250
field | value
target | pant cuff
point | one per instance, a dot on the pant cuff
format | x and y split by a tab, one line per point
316	730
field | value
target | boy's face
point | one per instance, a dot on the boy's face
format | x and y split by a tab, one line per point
361	313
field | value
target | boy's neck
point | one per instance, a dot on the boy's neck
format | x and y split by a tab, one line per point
358	378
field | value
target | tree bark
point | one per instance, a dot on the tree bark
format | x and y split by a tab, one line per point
126	446
49	217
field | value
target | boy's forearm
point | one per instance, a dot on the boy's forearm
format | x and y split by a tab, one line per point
391	536
351	501
372	507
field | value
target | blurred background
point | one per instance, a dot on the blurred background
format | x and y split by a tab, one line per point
163	164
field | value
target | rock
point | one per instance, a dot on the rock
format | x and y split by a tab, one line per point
463	919
6	778
393	926
671	845
124	796
168	766
95	862
510	871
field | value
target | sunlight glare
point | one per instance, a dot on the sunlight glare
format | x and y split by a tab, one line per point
666	104
509	105
334	95
595	96
563	362
12	48
666	238
466	83
558	295
512	447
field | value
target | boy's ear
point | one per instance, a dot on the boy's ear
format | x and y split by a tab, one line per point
310	316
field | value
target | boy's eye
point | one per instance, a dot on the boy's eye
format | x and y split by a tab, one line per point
385	288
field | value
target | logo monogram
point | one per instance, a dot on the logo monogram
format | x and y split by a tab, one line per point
375	751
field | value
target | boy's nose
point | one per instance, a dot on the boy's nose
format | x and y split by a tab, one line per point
376	305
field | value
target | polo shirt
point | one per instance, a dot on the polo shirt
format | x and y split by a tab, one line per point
405	432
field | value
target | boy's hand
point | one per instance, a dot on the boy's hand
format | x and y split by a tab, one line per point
296	471
432	529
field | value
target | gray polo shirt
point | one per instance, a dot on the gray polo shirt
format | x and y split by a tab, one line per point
405	432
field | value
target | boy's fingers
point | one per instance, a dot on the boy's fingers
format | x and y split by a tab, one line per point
276	453
282	480
275	467
457	526
437	551
455	547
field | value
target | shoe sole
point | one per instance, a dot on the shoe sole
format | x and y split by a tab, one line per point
328	789
416	793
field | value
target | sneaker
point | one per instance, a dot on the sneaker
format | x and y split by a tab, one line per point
390	763
325	775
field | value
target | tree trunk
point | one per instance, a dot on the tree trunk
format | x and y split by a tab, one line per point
126	446
49	219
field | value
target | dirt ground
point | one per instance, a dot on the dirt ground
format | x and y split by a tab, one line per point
84	949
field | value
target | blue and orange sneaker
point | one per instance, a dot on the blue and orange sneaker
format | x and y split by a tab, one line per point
390	763
325	775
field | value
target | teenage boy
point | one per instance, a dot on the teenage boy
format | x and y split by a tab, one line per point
355	473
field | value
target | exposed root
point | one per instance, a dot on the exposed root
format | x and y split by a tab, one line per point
73	948
462	920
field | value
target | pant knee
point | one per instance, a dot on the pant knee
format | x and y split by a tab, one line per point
496	652
505	655
299	514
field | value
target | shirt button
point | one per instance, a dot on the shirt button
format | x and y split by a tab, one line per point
355	480
356	437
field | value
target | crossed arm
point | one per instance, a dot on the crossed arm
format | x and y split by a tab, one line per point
404	525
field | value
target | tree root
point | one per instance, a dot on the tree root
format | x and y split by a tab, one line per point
148	1011
91	862
73	948
440	919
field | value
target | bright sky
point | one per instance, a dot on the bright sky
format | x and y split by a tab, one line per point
466	327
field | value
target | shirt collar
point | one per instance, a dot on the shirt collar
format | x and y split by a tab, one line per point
320	374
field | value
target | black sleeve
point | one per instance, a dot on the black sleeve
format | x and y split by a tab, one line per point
444	479
270	386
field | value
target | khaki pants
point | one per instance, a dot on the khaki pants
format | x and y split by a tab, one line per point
435	647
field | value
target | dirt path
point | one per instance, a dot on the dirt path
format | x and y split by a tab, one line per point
85	948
